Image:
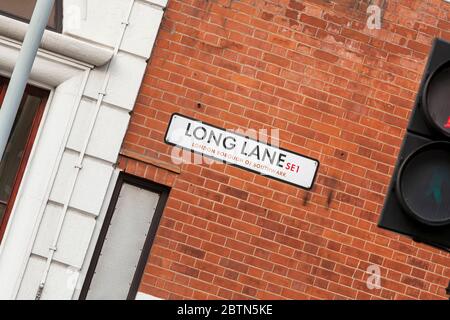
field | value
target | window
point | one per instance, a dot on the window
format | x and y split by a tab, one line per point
125	240
23	9
20	143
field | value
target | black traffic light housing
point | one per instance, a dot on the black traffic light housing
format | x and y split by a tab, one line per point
418	199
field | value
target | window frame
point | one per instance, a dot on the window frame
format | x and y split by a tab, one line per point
44	95
148	185
58	17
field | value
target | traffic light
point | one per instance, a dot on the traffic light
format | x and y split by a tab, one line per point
418	199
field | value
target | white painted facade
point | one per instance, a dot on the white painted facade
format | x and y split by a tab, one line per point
71	172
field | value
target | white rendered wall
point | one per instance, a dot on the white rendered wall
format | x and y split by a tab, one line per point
25	248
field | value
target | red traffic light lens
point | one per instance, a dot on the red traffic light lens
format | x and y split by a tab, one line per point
436	99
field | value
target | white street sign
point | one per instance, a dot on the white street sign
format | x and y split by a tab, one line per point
241	151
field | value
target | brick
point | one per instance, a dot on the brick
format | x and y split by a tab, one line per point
417	46
210	174
339	93
396	49
322	55
355	35
177	267
271	58
234	265
233	192
316	22
200	254
246	206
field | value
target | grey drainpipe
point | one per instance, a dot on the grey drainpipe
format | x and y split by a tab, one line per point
22	70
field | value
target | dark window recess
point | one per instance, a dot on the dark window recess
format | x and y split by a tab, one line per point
20	143
23	9
125	240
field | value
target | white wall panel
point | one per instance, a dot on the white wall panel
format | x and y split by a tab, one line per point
140	35
31	278
59	286
83	16
91	184
80	127
94	20
75	236
127	72
109	131
108	134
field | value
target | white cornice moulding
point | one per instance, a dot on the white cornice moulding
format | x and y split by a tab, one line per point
58	43
49	69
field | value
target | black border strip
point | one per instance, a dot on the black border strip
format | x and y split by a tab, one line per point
236	165
144	184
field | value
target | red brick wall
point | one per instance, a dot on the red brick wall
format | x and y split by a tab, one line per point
338	92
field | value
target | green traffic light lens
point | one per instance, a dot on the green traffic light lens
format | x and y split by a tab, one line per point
423	184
